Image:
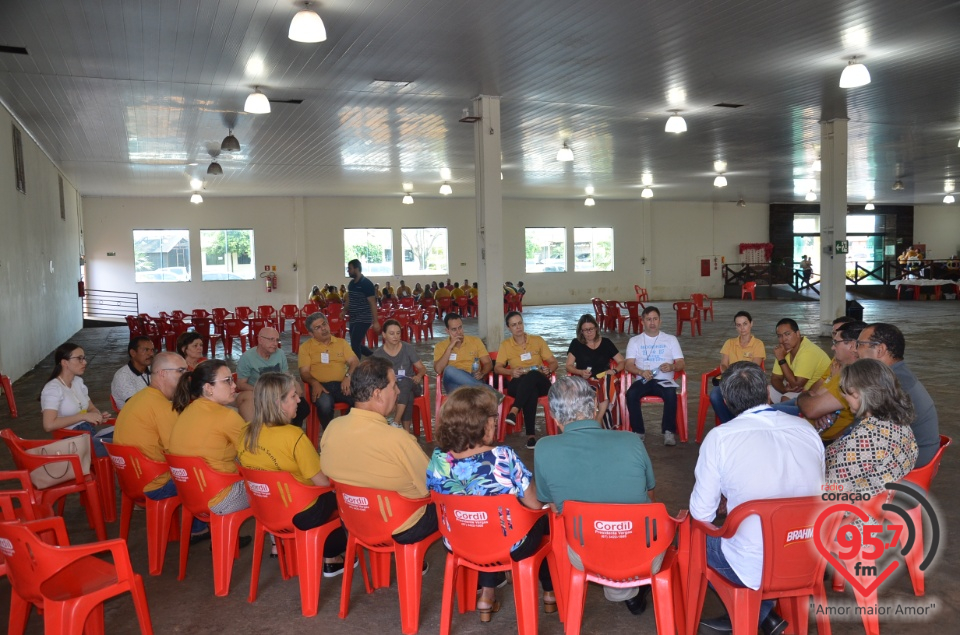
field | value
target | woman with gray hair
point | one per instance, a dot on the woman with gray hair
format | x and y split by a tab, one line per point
880	447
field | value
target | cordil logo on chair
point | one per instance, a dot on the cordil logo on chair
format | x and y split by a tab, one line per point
118	462
179	474
613	528
360	503
6	547
261	490
471	519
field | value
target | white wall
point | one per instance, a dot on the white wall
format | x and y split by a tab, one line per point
937	227
39	308
671	236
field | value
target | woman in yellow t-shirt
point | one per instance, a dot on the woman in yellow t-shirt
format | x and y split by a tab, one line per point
743	348
271	444
527	361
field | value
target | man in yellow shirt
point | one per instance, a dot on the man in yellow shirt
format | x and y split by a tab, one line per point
442	292
326	363
457	291
403	291
800	362
455	357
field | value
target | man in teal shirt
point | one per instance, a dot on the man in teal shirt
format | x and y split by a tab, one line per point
589	464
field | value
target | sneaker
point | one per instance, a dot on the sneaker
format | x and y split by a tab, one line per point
198	538
669	438
511	419
531	443
333	569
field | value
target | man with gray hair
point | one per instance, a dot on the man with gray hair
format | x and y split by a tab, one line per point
761	453
582	463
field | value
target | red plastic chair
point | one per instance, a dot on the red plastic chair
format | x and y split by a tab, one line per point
423	322
28	505
243	313
914	290
706	387
748	288
67	583
83	484
7	388
792	567
200	313
444	306
269	314
370	517
135	471
175	329
152	330
287	312
313	419
687	312
481	531
298	330
641	294
463	305
617	545
633	315
338	326
196	484
308	308
421	412
275	498
679	377
254	326
219	315
233	329
134	326
102	468
600	311
614	317
704	305
209	332
333	309
503	429
407	302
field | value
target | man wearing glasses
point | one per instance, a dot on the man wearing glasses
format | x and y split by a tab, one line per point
825	406
265	357
326	364
885	342
135	376
800	362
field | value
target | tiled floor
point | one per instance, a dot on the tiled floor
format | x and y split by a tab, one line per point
190	607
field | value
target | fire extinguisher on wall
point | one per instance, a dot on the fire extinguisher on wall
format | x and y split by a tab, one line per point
270	279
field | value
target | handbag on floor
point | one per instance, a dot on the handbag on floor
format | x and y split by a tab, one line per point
61	471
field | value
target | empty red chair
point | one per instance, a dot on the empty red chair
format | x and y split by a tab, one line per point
706	387
102	469
641	294
614	317
599	311
233	328
421	412
153	331
242	312
287	312
704	305
370	516
7	388
135	471
175	329
298	330
444	306
423	322
275	498
83	484
618	545
334	309
254	326
407	302
134	326
679	377
196	484
481	530
338	326
200	313
209	332
748	288
269	315
687	312
308	308
633	315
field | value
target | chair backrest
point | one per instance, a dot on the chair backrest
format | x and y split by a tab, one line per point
233	326
372	515
134	470
27	506
618	542
243	312
923	476
698	299
220	314
407	302
266	311
685	310
482	529
633	309
29	462
300	325
310	307
197	482
133	325
254	326
749	286
289	311
30	562
276	497
179	315
201	325
337	326
200	313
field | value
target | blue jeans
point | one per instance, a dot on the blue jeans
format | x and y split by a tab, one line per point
790	407
98	448
454	378
719	407
169	490
718	562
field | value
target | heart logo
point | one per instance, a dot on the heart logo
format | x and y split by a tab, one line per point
849	576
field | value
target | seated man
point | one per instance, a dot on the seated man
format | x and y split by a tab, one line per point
403	291
326	363
454	357
362	449
441	293
457	291
734	459
825	406
265	357
135	376
800	363
581	463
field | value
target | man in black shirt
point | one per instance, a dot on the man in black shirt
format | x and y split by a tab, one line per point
361	307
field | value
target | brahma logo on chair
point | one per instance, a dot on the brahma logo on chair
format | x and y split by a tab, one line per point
799	535
471	519
613	528
359	503
179	474
6	547
261	490
118	462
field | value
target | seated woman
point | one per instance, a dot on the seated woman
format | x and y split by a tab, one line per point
467	462
270	444
417	292
589	356
880	447
527	361
743	348
190	347
65	401
315	296
408	368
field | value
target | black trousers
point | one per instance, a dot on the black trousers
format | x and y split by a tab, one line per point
526	390
317	515
427	525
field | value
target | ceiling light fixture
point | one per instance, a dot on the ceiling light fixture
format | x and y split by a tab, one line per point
589	190
854	74
589	202
230	143
817	165
257	103
646	193
196	199
446	190
675	123
646	178
407	187
407	199
897	186
811	196
307	26
214	169
719	166
869	207
948	199
720	181
445	174
565	154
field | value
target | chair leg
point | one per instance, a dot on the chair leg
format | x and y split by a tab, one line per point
310	569
410	584
19	614
450	587
91	501
575	602
140	604
258	540
348	556
526	595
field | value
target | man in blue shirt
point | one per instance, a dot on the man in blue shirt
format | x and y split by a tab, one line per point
361	307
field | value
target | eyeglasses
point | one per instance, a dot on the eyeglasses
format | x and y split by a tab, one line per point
226	380
837	342
269	339
79	358
589	329
178	371
867	343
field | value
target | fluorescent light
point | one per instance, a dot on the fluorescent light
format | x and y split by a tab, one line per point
445	189
720	166
948	199
854	74
675	123
817	165
720	181
811	196
307	26
589	202
407	199
646	178
646	193
196	199
257	103
869	207
565	154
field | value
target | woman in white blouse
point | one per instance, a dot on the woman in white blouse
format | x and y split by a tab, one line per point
65	401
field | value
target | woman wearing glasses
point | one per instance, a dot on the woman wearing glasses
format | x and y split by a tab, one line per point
65	401
590	356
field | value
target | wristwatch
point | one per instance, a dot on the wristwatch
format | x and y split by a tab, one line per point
782	362
347	375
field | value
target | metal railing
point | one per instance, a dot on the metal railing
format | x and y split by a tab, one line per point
111	305
867	272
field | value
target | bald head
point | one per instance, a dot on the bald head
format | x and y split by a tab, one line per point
268	341
166	372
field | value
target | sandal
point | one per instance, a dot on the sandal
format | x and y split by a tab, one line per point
486	612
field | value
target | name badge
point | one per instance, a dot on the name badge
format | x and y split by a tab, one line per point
526	357
453	357
401	373
324	358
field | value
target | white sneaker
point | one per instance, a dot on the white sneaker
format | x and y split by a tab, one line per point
669	438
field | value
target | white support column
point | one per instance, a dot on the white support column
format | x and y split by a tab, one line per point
833	221
301	253
489	219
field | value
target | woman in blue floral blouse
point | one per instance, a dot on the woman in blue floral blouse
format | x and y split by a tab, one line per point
468	463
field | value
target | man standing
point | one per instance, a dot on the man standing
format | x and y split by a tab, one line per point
800	362
362	449
361	307
455	357
825	406
326	364
266	357
654	357
135	376
761	453
885	342
581	463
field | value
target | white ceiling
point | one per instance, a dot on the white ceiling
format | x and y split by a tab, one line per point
125	94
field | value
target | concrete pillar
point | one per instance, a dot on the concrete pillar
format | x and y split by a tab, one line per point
489	219
833	221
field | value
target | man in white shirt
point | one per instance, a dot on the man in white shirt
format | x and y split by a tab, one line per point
761	453
654	356
135	376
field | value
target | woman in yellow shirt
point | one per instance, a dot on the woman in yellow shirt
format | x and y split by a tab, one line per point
743	348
